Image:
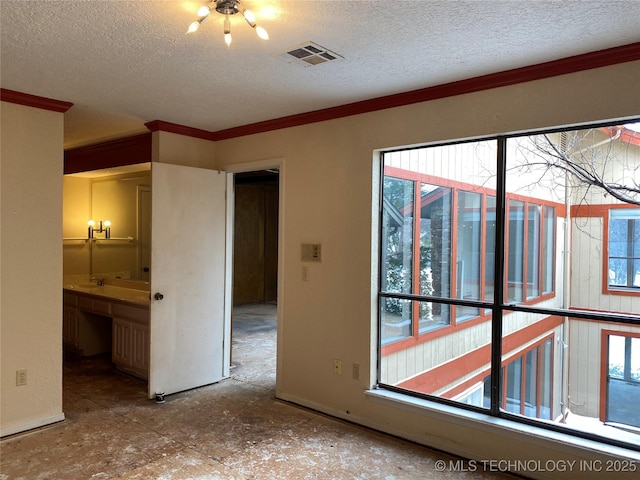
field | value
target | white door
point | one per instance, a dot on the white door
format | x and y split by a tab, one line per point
188	280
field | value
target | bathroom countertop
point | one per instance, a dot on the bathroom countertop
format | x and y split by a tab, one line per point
131	295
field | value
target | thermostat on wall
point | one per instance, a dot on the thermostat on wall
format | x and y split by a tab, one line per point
311	252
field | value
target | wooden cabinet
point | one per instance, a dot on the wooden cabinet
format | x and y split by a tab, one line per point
70	328
94	325
121	346
130	351
71	322
140	349
131	347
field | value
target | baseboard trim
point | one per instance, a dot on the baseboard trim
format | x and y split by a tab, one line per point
25	427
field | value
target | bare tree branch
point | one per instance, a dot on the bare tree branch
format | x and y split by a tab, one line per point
586	167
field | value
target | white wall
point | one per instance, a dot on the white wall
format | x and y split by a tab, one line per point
328	197
31	260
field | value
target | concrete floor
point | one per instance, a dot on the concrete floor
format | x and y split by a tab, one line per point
231	430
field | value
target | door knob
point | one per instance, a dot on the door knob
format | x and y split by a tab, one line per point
158	296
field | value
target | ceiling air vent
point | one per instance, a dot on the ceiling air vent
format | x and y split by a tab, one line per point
309	54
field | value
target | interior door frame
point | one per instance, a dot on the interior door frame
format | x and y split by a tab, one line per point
141	190
244	167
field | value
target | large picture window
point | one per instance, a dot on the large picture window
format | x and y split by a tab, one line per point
486	267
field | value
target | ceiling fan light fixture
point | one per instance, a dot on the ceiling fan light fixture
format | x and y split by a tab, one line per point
193	27
227	30
226	8
249	17
204	11
262	33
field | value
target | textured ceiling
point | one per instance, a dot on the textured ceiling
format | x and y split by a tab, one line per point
124	63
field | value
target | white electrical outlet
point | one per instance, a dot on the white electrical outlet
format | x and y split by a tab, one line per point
21	377
305	274
355	371
337	367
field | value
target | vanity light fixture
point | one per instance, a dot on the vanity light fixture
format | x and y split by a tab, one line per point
105	227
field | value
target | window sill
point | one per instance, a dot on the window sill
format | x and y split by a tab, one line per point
621	291
519	432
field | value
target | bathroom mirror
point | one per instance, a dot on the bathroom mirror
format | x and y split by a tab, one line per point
124	200
125	203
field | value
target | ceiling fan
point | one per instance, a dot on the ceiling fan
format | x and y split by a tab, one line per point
227	8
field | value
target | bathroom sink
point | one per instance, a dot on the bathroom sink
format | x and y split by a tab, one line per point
84	286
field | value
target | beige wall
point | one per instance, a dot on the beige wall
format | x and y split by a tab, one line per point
76	212
329	192
31	260
328	195
180	150
587	262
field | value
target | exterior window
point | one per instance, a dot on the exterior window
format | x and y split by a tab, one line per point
549	249
515	261
624	248
490	247
529	382
418	250
531	249
473	396
534	213
397	264
527	379
470	310
546	382
435	254
623	381
514	386
469	248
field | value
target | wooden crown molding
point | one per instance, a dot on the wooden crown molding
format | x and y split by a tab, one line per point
162	126
577	63
29	100
142	153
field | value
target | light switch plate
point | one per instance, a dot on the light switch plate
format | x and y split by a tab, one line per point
311	252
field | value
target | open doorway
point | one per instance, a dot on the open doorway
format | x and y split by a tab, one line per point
255	276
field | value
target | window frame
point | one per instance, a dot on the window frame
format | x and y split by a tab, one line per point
604	366
498	306
416	336
524	374
631	224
